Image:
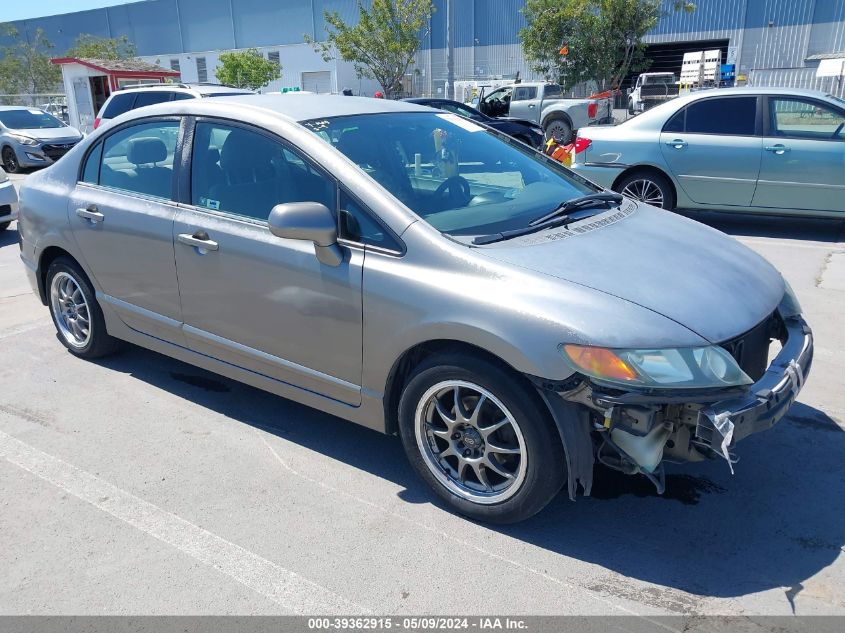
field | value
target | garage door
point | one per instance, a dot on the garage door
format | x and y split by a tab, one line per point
320	82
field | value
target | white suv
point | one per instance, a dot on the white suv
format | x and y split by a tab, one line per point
133	97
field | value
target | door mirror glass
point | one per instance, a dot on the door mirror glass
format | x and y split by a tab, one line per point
311	221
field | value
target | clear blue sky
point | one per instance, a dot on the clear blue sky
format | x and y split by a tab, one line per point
21	9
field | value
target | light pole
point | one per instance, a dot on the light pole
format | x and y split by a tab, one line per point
450	64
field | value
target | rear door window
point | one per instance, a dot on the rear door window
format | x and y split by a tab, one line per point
734	116
152	97
119	104
139	158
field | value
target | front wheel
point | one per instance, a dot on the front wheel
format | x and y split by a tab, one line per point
77	316
10	161
481	439
649	187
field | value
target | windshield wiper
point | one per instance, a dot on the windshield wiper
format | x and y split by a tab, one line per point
563	214
605	198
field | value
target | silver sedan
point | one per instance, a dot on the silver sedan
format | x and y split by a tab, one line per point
753	150
415	273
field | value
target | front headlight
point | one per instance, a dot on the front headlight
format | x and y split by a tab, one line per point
24	140
789	306
682	368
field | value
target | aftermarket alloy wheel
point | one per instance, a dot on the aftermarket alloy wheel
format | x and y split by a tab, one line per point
10	161
75	312
481	439
648	187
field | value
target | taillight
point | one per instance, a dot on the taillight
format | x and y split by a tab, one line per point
581	144
97	122
592	109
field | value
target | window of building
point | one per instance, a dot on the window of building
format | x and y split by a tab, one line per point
734	116
202	70
240	171
139	158
273	56
799	118
174	65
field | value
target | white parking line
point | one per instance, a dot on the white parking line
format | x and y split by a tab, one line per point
291	591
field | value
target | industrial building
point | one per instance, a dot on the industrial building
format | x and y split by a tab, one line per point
771	42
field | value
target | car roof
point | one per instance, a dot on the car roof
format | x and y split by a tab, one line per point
13	107
304	107
199	88
755	90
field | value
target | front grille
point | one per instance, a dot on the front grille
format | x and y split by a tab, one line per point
751	350
56	150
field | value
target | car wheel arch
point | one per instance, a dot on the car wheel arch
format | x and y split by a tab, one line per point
557	116
403	367
47	257
648	169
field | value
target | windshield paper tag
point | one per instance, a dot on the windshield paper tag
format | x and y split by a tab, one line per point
461	122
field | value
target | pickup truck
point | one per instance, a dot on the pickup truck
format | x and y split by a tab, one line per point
652	89
543	104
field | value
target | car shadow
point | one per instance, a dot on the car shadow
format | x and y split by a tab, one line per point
8	237
781	227
774	524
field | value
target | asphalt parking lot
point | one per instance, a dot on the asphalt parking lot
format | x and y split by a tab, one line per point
140	485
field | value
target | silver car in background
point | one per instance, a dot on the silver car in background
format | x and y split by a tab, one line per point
8	201
30	137
752	150
411	271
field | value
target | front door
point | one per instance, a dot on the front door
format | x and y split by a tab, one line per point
713	147
121	215
803	156
254	300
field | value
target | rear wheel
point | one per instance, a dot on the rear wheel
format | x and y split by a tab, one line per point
10	161
560	131
649	187
480	439
76	314
630	106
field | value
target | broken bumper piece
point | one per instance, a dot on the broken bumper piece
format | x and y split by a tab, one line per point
724	423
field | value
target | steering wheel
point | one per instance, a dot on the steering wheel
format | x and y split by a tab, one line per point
454	191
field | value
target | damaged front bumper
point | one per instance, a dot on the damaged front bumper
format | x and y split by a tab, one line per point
635	431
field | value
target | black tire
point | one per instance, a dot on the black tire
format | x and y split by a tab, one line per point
658	180
4	226
631	106
560	130
545	472
10	161
99	343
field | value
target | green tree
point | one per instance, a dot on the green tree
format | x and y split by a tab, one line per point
25	66
94	47
603	38
382	44
247	69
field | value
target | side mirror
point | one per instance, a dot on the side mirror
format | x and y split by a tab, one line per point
311	221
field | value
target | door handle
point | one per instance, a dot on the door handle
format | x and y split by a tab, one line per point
91	214
198	240
777	149
677	143
532	105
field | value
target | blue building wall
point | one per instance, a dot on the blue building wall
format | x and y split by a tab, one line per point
767	34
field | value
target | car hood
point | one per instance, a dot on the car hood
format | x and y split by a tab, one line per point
679	268
69	134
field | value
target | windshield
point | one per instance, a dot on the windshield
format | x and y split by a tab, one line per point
28	120
458	176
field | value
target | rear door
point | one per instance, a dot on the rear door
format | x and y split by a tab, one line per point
524	103
803	164
121	215
713	146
